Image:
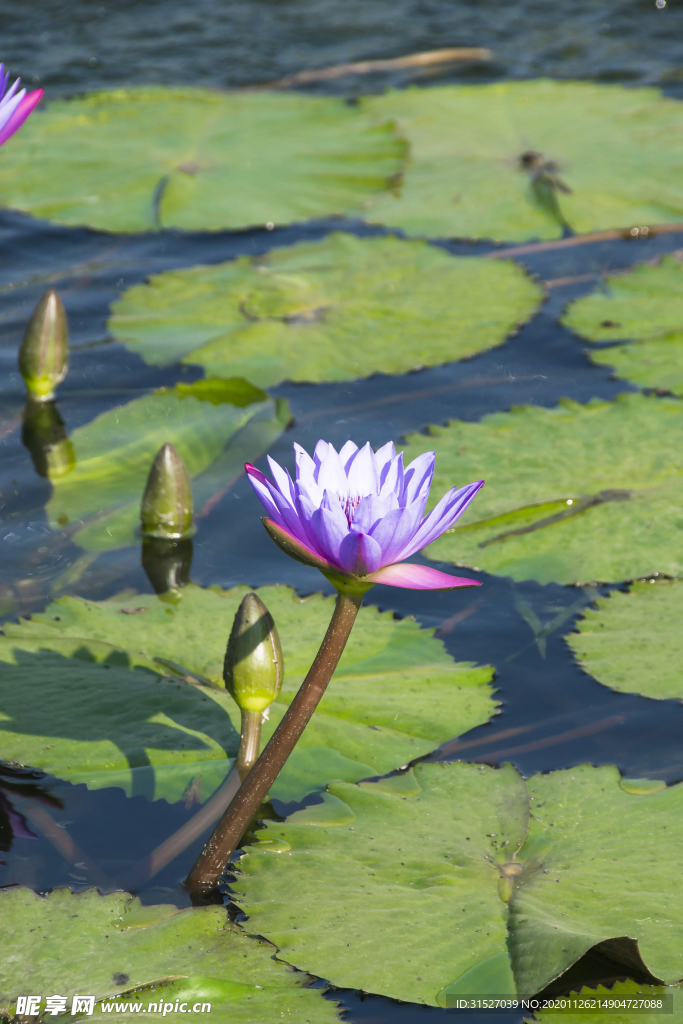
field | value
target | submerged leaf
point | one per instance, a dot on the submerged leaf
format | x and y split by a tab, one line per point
91	691
332	310
139	159
111	945
573	494
633	642
448	859
521	160
215	425
645	307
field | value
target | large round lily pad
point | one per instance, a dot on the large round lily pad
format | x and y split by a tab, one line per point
139	159
424	894
129	692
332	310
519	160
112	946
645	308
577	493
214	424
633	641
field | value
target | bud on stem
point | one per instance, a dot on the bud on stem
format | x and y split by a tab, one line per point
253	671
44	350
167	507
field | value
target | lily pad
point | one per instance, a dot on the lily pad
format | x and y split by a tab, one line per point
617	1001
487	865
108	946
215	425
633	641
577	493
129	692
306	312
519	160
198	159
645	307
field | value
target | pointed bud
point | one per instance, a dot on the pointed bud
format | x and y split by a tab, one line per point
44	350
167	508
253	669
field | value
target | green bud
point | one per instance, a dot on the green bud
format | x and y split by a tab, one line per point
167	509
253	669
44	350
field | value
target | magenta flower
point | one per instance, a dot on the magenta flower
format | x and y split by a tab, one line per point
357	514
14	106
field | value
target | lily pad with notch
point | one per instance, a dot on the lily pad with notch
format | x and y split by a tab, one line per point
520	160
113	947
574	494
505	883
91	691
307	312
641	313
632	641
197	159
214	424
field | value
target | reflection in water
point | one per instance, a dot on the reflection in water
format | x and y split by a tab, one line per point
167	563
44	434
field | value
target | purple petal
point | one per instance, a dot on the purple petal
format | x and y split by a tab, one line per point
9	105
359	554
392	479
326	531
275	504
384	457
419	577
260	484
441	518
346	452
369	513
20	114
396	530
283	481
4	79
331	475
417	478
363	473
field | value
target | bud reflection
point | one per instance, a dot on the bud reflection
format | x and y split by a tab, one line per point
44	434
167	564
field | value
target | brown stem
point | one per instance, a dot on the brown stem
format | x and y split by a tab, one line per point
250	741
230	829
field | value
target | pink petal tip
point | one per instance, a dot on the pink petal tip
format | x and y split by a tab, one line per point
419	577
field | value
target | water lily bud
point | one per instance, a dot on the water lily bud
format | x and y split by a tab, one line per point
253	668
167	508
44	350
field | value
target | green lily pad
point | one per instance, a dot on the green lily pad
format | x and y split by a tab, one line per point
519	160
577	493
633	642
139	159
215	425
617	1001
129	692
481	865
105	945
644	306
305	312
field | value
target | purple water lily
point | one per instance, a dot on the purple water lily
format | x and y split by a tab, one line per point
14	106
357	514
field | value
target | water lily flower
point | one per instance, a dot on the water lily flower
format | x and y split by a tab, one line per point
357	514
15	106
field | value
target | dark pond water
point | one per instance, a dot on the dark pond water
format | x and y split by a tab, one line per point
552	715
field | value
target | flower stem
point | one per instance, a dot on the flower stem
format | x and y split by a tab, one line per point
250	741
230	829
